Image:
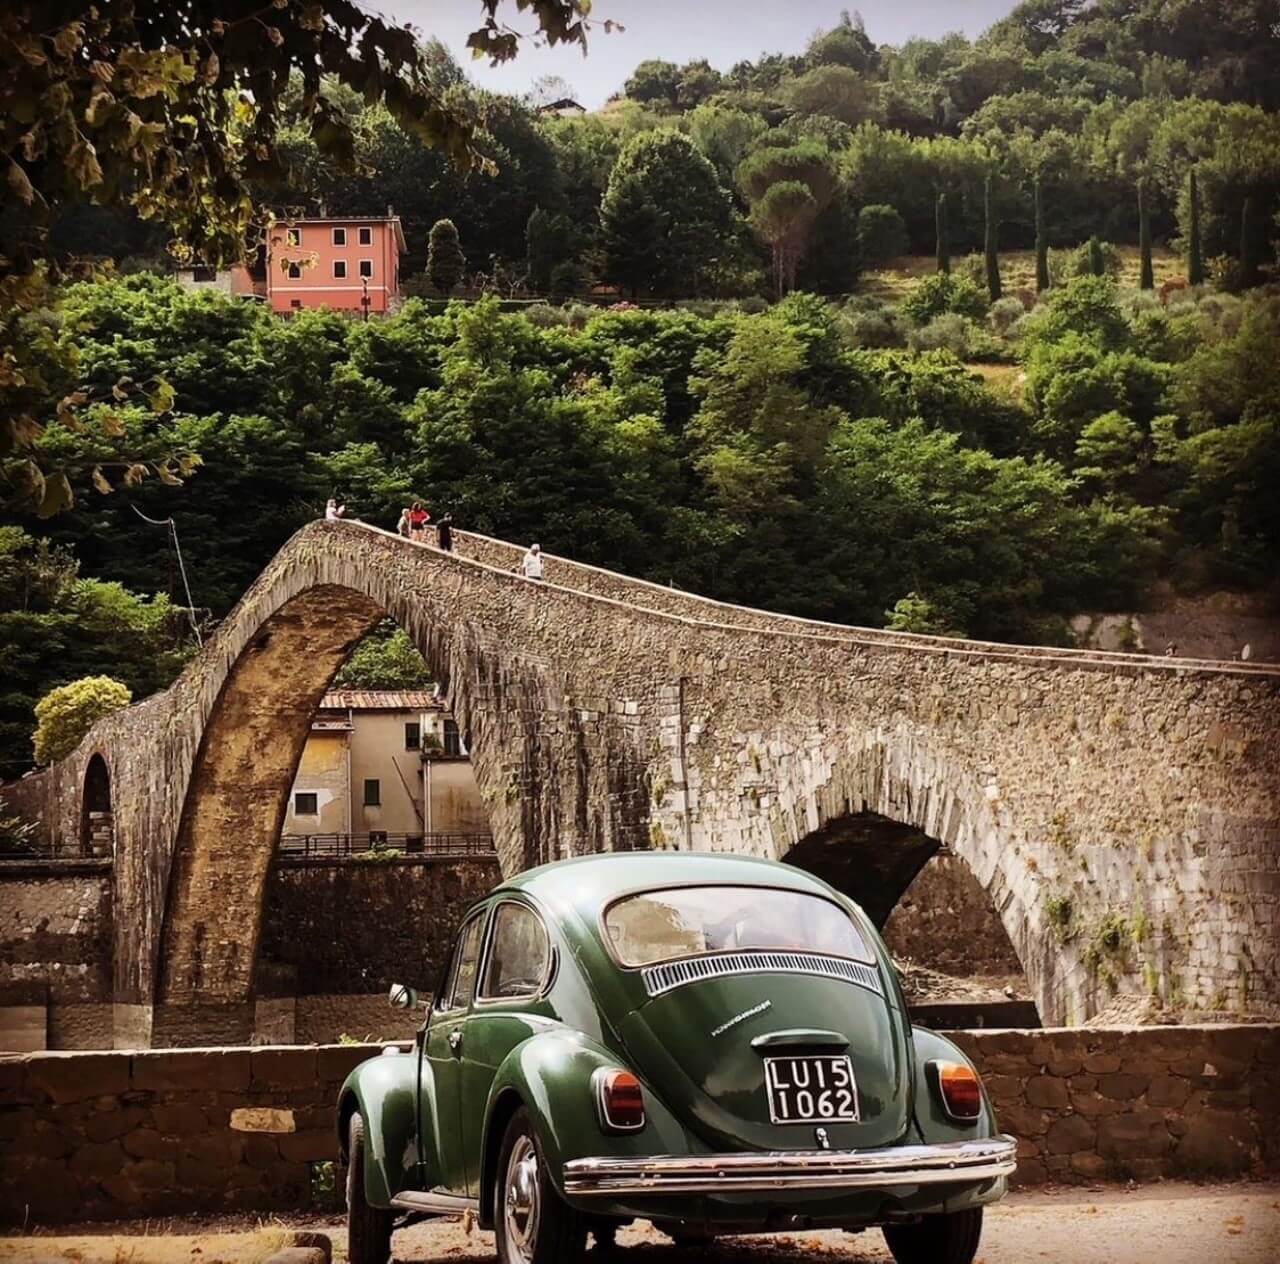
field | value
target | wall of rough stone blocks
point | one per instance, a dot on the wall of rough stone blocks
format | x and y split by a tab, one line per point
336	934
1122	812
114	1135
1135	1102
55	949
127	1135
352	926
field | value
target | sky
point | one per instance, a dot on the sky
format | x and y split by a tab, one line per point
722	31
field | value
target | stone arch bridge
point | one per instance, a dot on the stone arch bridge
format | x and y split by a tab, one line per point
1123	812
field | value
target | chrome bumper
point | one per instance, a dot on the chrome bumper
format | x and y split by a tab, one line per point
794	1169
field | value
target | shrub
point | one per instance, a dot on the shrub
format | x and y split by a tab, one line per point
948	332
1079	262
874	325
65	714
1005	313
882	234
543	315
753	305
1227	274
943	293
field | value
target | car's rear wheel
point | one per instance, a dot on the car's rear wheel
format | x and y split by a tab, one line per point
946	1239
368	1228
532	1223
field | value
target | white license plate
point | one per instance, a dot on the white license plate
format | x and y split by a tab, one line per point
811	1090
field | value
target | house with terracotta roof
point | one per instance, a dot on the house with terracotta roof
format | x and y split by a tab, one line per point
383	768
347	264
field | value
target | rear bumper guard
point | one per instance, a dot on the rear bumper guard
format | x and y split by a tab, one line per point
893	1166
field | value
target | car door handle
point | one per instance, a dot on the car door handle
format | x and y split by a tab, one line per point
455	1040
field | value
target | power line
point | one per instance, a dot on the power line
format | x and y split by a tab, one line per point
182	568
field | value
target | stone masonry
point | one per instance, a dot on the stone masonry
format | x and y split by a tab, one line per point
1121	811
113	1135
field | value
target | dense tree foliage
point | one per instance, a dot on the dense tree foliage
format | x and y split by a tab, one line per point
764	458
56	627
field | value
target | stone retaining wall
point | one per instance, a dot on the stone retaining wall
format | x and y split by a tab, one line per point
115	1135
1135	1102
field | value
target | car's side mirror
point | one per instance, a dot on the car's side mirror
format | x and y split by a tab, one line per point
402	996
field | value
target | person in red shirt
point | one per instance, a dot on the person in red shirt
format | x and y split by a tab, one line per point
418	519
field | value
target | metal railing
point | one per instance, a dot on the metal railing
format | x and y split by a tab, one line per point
380	842
39	849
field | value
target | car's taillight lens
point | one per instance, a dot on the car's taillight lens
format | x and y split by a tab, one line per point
621	1101
959	1089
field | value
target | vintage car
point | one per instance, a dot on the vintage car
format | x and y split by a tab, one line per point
713	1043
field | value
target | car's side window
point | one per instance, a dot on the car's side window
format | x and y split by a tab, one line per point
519	954
462	974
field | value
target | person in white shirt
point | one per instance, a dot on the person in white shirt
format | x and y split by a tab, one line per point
531	563
333	511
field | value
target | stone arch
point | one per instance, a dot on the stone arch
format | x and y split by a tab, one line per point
885	806
97	833
278	652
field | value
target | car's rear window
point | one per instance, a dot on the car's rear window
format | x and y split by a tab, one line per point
689	921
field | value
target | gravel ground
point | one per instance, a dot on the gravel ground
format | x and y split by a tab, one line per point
1170	1223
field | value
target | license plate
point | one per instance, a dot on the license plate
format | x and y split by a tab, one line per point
813	1090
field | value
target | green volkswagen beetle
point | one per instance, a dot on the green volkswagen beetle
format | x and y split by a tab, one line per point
713	1043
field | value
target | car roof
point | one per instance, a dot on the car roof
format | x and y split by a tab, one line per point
590	882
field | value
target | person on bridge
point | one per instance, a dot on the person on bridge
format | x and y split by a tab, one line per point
418	519
444	533
333	511
402	527
531	563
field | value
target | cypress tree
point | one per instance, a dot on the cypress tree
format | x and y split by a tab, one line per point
1249	260
445	260
1097	260
1195	255
943	231
989	243
1147	280
1042	243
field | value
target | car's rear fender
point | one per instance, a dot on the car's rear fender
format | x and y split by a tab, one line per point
551	1076
382	1089
932	1120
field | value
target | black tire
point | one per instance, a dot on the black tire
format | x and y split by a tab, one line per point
532	1224
689	1239
946	1239
368	1228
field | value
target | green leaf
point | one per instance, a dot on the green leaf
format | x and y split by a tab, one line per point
161	399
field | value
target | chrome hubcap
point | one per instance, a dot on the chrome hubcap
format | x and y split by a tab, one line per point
521	1201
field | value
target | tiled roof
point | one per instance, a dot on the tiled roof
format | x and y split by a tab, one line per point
381	700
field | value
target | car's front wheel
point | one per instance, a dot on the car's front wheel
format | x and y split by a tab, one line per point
532	1223
368	1228
946	1239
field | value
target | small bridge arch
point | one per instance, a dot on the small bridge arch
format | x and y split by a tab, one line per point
97	831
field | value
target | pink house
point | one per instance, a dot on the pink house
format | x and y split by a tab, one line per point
350	264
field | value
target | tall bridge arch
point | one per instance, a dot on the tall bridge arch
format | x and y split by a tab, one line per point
608	713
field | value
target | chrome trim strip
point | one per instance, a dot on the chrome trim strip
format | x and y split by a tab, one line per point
673	974
888	1168
435	1203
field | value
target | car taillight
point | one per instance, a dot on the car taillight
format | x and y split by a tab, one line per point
959	1089
621	1101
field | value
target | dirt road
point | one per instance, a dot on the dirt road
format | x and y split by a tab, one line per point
1159	1224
